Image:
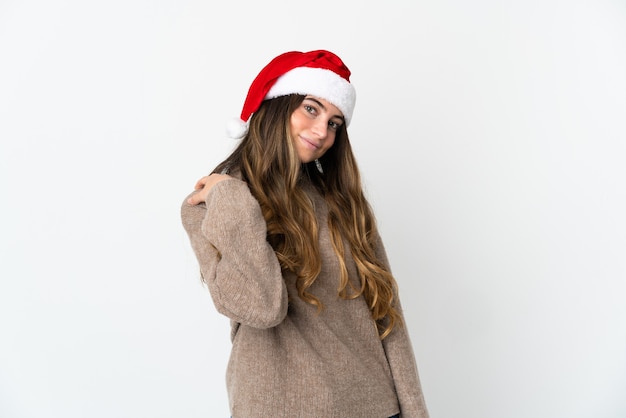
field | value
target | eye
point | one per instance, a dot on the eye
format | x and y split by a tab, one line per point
310	109
334	125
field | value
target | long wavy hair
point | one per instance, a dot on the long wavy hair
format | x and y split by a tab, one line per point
267	161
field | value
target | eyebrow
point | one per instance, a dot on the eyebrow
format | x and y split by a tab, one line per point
322	106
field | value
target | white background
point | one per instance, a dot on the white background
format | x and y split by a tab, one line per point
491	137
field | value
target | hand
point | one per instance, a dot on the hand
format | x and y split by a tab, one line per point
203	186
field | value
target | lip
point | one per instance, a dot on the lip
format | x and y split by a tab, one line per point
309	144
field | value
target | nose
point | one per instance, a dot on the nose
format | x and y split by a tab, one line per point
320	128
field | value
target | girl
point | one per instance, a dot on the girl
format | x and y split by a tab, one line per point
288	247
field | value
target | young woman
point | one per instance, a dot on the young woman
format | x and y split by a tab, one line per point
288	247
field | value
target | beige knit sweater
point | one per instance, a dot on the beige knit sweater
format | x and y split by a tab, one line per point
287	360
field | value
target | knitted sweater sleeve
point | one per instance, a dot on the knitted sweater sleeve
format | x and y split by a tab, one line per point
240	268
401	358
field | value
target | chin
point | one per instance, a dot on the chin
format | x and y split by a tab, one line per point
307	159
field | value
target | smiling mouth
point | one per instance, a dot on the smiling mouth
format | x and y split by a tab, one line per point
309	143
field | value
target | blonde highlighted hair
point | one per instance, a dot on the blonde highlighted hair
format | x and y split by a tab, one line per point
268	163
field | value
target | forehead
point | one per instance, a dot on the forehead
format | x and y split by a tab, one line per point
326	105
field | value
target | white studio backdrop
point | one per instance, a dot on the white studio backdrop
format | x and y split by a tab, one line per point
491	138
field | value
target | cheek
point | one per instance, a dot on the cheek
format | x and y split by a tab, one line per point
293	127
297	120
330	142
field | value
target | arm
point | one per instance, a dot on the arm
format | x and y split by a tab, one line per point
403	366
401	358
228	235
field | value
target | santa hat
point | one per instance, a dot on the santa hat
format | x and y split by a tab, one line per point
317	73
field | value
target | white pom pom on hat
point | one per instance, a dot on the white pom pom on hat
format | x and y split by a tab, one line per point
236	128
318	73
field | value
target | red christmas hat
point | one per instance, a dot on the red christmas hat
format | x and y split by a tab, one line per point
318	73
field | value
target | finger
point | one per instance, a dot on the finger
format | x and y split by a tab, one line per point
194	199
200	183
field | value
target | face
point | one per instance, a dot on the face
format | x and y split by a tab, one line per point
314	125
